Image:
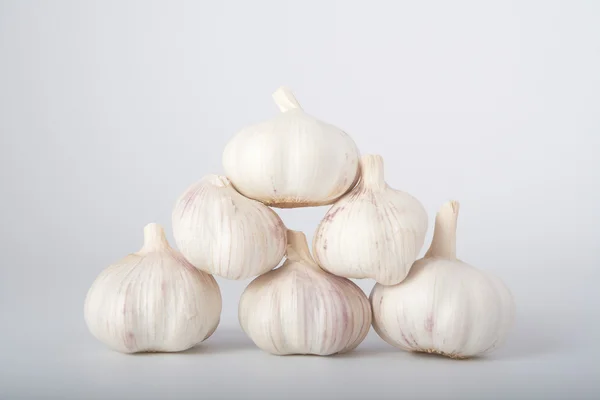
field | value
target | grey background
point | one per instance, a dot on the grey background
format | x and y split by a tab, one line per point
109	110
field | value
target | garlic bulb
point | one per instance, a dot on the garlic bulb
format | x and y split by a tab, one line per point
444	306
292	160
224	233
153	300
372	232
301	309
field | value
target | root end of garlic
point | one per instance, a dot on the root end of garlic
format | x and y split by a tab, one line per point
441	353
296	203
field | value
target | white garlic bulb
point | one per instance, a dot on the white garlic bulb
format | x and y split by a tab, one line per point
224	233
292	160
444	306
153	300
301	309
372	232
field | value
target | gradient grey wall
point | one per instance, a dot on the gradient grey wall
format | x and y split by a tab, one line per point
109	110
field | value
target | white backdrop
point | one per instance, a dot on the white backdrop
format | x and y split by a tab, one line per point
109	110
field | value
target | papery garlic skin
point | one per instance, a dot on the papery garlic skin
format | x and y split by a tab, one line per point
153	300
292	160
372	232
224	233
444	306
301	309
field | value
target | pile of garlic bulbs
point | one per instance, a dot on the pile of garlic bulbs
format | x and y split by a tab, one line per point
164	300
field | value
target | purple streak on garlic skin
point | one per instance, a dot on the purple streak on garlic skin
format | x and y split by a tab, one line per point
429	324
334	210
301	309
130	341
188	199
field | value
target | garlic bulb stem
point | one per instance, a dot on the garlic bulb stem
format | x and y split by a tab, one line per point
371	167
154	238
297	248
443	244
285	100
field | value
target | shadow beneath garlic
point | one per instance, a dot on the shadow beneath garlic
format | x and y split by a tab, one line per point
433	356
534	334
373	346
224	340
367	353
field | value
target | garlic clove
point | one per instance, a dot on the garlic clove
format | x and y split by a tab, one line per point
292	160
444	306
372	232
301	309
153	300
224	233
